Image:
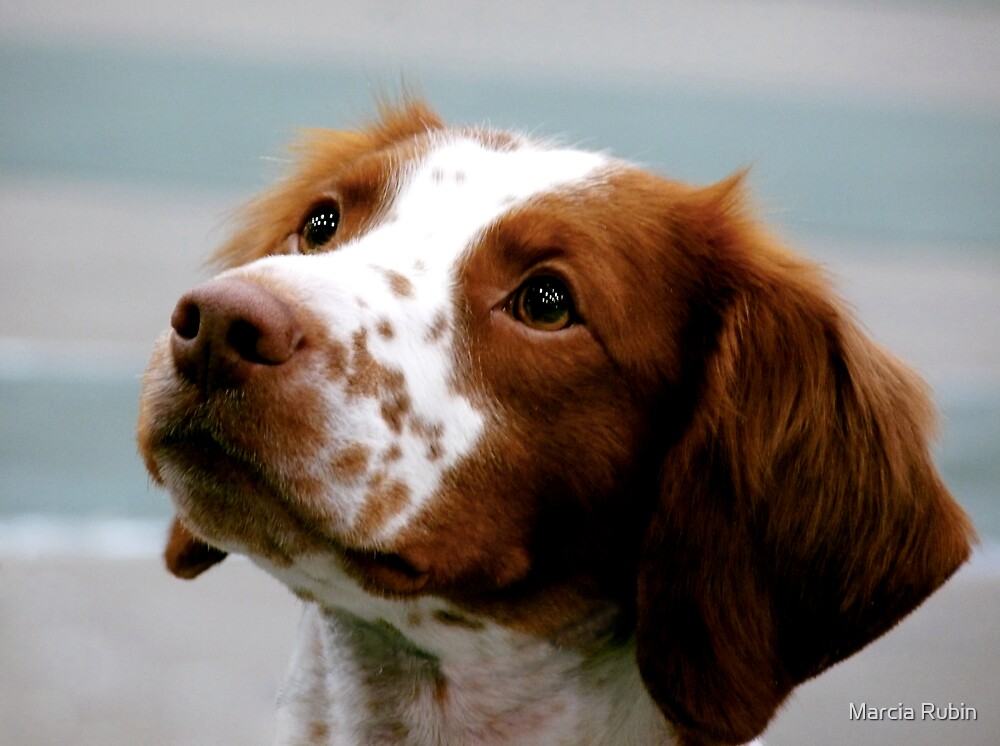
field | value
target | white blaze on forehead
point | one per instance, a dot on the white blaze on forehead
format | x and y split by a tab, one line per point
462	186
394	287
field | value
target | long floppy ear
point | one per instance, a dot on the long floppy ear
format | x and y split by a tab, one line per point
800	515
187	556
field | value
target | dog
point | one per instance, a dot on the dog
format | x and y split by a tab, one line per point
556	450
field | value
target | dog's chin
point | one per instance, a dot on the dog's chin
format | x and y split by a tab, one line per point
233	504
208	480
382	573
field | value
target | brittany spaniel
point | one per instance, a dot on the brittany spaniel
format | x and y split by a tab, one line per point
556	450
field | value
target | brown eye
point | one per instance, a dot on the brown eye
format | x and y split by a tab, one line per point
543	303
319	227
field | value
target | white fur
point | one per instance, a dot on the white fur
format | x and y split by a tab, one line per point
500	686
445	201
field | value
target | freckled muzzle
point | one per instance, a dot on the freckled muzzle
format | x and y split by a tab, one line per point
227	419
278	433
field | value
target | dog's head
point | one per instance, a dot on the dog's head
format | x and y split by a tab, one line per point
531	380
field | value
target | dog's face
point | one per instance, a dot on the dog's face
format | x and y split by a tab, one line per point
430	361
533	379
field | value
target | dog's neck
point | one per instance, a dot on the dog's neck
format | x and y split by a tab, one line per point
373	670
355	680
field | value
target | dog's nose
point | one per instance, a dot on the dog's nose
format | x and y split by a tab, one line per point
227	330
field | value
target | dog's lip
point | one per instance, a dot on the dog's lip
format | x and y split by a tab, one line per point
387	572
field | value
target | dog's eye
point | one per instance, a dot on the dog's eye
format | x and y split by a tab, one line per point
543	303
319	227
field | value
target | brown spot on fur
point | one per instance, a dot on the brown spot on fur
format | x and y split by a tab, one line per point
399	284
367	376
383	500
497	140
432	433
351	462
394	408
336	361
385	329
453	619
319	732
437	329
392	453
441	691
304	595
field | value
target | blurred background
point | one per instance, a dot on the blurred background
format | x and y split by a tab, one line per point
130	131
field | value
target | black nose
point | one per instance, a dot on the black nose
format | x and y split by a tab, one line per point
226	331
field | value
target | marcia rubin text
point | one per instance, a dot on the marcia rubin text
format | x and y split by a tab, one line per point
925	711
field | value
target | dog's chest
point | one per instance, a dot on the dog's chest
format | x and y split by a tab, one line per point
355	681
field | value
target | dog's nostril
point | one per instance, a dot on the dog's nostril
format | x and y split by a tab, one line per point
186	320
227	330
244	338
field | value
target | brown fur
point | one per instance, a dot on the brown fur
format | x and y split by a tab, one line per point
186	556
800	515
346	165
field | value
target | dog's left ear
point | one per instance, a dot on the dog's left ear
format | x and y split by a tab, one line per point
800	515
187	556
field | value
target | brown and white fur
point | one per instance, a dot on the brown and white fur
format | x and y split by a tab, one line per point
556	450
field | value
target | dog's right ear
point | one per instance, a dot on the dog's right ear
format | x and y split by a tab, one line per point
186	555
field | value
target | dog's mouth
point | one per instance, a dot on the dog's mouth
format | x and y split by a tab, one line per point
386	573
211	471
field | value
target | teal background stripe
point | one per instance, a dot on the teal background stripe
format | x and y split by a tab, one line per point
852	169
67	448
